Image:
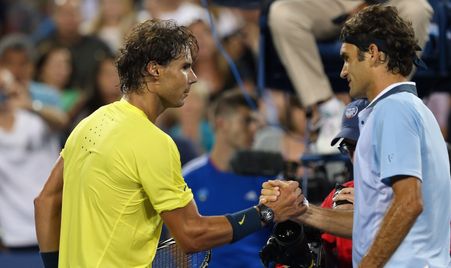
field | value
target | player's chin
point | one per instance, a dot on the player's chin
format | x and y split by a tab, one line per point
356	93
179	103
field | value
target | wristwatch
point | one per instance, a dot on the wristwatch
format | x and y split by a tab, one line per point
266	214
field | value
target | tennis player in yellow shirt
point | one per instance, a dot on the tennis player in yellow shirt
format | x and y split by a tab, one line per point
119	176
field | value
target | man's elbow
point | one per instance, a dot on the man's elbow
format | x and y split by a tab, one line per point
189	247
193	238
415	208
45	202
39	203
192	243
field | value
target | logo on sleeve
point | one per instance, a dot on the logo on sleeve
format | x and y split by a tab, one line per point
390	157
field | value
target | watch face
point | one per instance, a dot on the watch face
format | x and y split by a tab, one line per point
267	214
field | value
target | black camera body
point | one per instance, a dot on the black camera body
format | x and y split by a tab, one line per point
287	245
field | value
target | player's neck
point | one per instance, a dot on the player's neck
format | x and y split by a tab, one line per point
382	83
147	102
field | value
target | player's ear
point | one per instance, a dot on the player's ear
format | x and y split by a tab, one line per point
153	69
382	57
219	122
375	53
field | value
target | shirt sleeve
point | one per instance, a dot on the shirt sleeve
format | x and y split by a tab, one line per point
397	141
161	177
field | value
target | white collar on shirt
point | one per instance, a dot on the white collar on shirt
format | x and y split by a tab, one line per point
390	87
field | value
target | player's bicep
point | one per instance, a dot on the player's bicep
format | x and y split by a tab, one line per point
54	184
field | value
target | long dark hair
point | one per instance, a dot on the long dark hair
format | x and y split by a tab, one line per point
153	40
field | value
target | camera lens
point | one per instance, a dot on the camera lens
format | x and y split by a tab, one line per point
288	232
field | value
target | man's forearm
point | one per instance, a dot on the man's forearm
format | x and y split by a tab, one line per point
48	222
336	222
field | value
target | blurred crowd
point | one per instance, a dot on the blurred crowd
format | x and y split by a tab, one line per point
57	65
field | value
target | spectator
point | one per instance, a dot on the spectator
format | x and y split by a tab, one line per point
114	19
296	26
17	56
86	50
28	149
54	68
192	120
106	90
338	250
294	138
182	11
106	87
440	104
289	137
207	65
217	189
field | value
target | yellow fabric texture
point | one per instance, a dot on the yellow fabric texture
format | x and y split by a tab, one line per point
120	173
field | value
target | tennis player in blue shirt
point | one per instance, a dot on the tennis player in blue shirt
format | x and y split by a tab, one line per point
402	199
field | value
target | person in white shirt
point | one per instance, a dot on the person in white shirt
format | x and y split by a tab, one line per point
28	149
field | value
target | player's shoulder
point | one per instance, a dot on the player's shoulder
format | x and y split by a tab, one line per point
399	106
399	101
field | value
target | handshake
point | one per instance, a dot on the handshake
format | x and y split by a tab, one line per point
287	244
284	198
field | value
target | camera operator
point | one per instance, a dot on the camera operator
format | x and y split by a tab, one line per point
338	250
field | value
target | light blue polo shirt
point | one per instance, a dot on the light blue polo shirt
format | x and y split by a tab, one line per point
400	136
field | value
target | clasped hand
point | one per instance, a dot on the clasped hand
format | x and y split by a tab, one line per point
285	198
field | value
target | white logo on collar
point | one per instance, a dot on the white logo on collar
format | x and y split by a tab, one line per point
351	112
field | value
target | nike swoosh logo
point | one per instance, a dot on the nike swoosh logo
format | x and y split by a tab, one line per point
242	220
